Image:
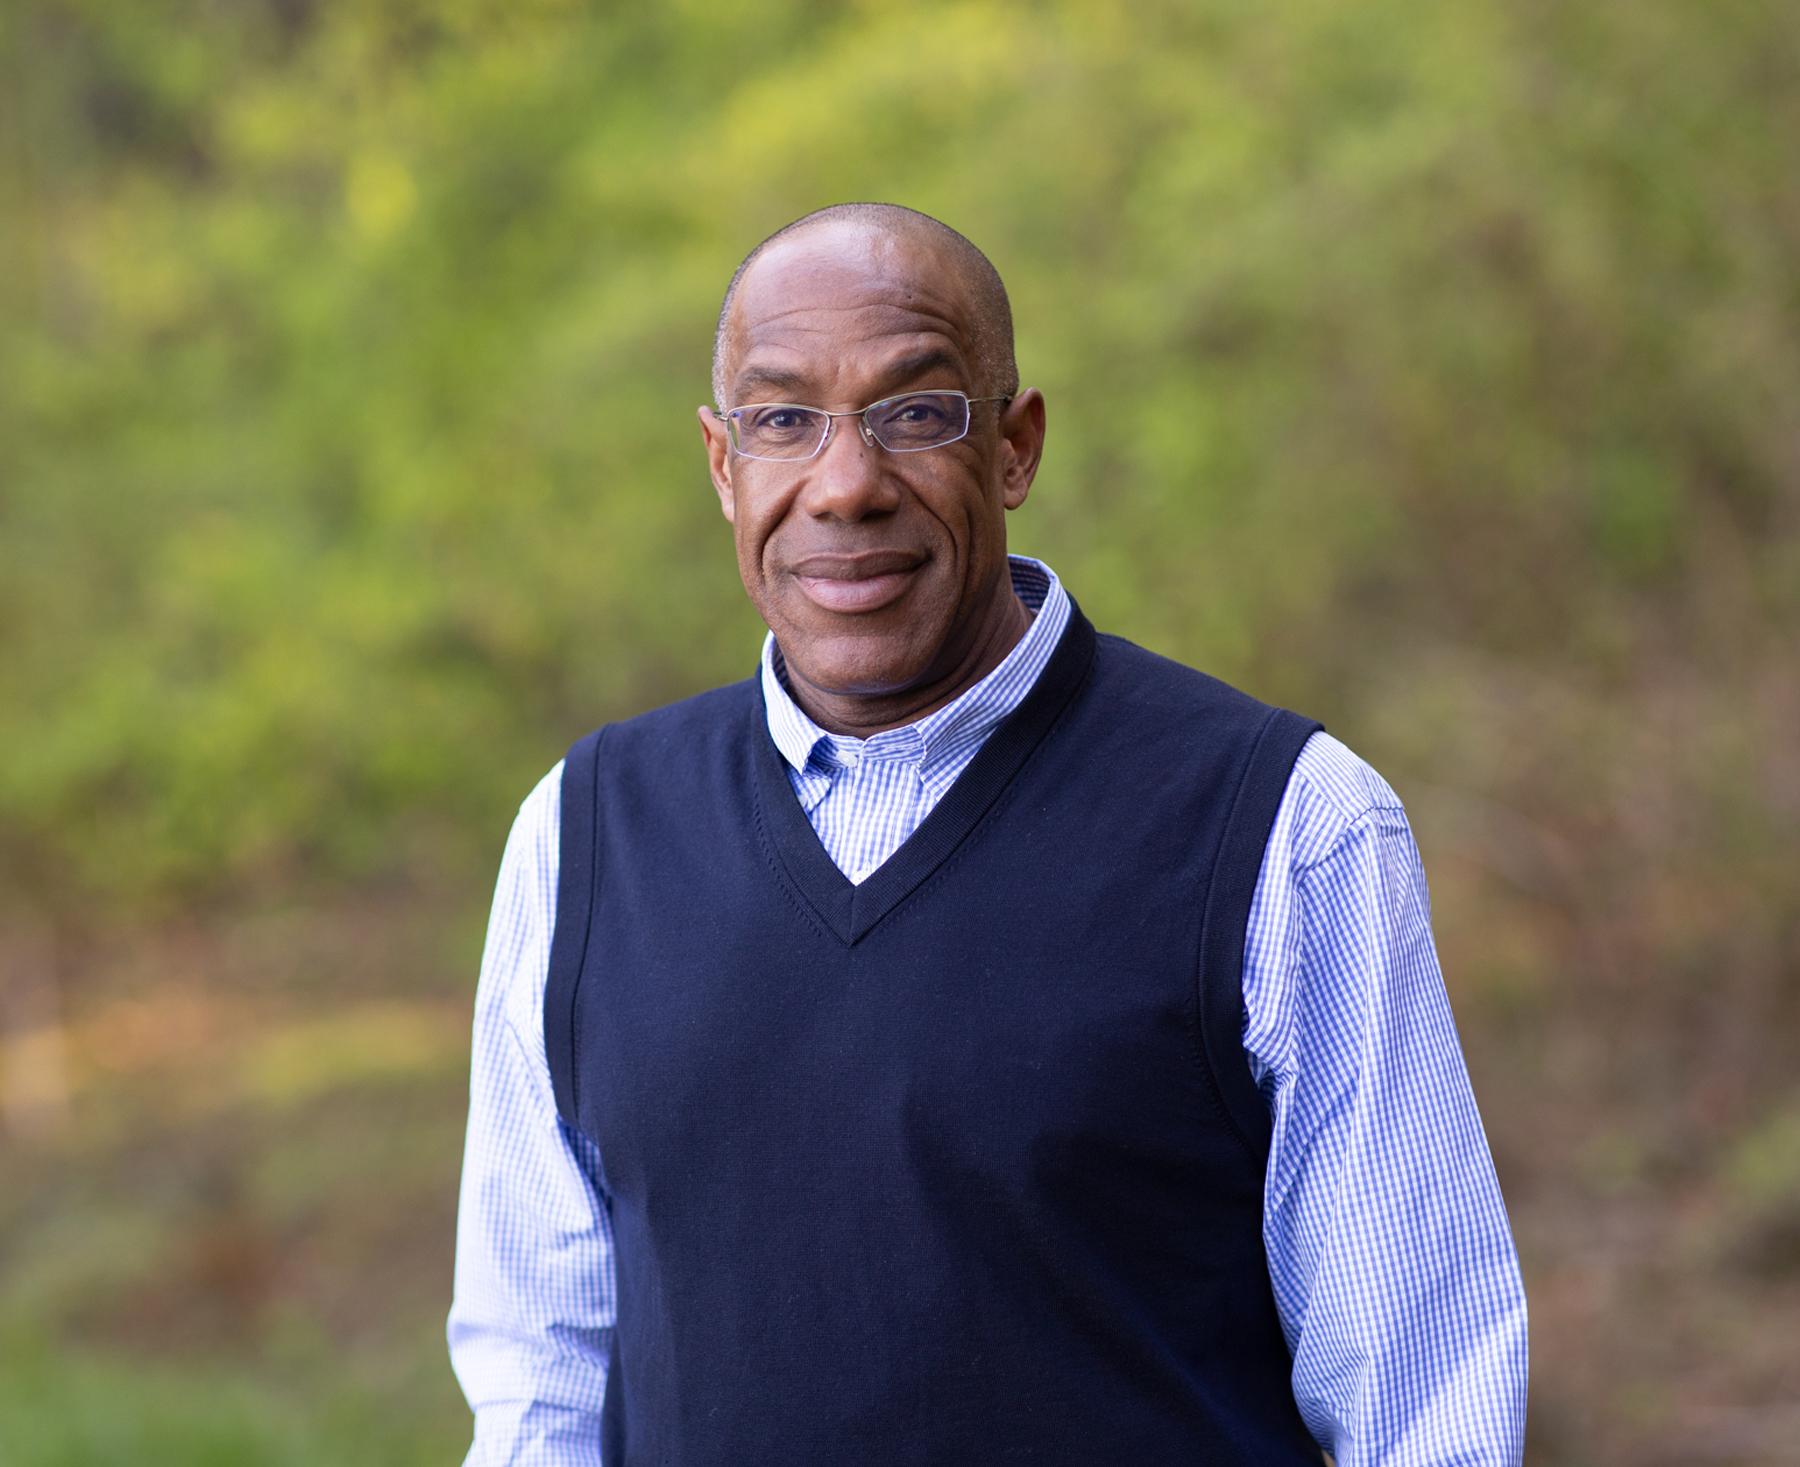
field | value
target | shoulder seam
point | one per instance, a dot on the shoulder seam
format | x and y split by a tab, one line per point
1350	826
1319	762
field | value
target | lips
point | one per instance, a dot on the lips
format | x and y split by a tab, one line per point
855	583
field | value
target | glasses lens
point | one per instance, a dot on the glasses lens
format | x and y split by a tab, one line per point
777	430
919	420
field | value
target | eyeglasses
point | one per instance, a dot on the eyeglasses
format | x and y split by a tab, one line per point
909	423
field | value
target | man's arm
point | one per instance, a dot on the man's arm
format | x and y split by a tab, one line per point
1392	1263
532	1318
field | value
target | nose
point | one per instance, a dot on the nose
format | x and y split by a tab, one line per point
848	479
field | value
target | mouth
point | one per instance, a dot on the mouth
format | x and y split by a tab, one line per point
856	584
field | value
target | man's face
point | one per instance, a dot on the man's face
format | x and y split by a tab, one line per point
879	573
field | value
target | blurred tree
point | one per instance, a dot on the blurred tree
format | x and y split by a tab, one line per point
348	462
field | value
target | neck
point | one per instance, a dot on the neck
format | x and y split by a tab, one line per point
861	715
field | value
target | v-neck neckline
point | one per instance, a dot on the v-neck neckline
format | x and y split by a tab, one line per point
851	910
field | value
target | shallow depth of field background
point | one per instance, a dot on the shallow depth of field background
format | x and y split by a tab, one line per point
1432	369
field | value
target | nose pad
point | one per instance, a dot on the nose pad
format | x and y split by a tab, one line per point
868	433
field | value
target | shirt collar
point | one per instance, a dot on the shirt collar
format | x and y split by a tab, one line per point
941	743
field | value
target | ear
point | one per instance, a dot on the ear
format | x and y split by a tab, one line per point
717	439
1021	445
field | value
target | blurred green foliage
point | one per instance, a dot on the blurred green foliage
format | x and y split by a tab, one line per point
58	1413
1435	370
346	409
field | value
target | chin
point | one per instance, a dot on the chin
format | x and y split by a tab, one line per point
850	665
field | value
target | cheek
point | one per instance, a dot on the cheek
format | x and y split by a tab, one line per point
755	527
977	522
960	503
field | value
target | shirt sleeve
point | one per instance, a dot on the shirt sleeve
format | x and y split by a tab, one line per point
531	1321
1392	1262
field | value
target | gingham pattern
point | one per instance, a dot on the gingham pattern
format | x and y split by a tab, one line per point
1392	1263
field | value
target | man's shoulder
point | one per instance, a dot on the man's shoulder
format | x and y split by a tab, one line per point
1142	682
1330	788
1341	781
1332	793
717	713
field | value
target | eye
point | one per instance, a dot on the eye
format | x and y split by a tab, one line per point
774	426
918	420
919	412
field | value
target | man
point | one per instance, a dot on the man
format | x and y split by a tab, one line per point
971	1039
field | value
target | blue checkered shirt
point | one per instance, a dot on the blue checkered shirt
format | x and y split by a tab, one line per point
1392	1263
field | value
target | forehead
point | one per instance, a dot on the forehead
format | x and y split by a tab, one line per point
835	306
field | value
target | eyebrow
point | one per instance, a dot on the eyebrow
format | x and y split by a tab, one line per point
772	379
896	373
919	363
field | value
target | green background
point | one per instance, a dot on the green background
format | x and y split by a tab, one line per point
1435	370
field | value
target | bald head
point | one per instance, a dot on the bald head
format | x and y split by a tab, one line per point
970	275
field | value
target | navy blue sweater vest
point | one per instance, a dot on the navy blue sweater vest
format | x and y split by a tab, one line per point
961	1165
